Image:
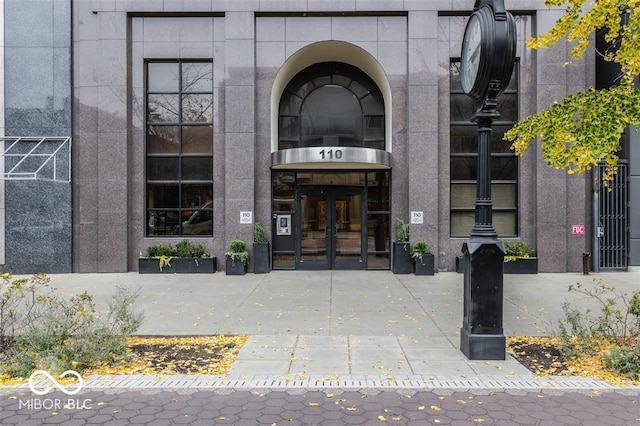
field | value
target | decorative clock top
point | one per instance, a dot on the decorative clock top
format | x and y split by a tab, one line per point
471	52
488	50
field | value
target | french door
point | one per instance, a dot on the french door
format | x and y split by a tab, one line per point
331	229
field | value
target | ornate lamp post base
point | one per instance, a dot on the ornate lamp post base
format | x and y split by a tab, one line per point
481	335
486	64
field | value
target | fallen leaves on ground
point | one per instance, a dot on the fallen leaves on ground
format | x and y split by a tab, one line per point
206	355
543	358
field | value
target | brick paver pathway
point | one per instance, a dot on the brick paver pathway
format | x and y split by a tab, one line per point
120	407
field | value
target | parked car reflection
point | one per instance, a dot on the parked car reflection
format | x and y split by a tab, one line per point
200	222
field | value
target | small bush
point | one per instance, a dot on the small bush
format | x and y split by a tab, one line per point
55	334
402	231
419	249
238	251
617	323
624	360
184	248
259	233
237	246
518	249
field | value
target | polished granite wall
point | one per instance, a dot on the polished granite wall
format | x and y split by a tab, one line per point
251	40
37	103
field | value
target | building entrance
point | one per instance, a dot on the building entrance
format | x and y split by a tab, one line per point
331	229
331	219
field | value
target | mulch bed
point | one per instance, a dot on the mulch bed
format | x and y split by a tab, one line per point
539	357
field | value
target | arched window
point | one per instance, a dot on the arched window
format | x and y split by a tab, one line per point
331	104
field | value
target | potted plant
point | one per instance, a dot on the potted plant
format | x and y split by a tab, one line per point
183	258
401	249
422	258
261	255
237	258
520	258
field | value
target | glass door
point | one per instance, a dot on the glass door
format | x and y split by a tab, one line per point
348	230
314	232
331	229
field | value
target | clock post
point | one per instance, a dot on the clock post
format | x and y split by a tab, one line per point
487	59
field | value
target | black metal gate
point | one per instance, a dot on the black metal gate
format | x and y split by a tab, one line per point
611	213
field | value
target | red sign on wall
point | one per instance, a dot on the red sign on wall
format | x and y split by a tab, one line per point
577	229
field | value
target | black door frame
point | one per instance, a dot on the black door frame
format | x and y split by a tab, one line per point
331	262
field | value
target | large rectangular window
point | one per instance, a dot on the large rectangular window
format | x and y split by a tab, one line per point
464	160
179	148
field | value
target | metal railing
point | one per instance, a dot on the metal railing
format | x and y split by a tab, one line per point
37	158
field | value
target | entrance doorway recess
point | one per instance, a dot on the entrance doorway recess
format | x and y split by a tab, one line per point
331	229
339	219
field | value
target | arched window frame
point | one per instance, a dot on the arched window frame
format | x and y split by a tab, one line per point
319	75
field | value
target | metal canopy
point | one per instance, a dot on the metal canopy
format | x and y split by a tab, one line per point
45	158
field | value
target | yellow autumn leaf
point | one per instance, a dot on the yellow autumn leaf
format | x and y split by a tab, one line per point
382	418
435	408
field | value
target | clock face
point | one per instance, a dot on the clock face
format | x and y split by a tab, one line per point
471	54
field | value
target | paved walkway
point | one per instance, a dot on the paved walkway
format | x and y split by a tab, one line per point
335	348
345	328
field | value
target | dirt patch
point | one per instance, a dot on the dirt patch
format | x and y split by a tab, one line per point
540	355
208	355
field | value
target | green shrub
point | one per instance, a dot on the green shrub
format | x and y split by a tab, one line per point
184	248
238	251
187	249
518	249
237	246
259	233
55	334
402	231
624	360
617	322
419	249
161	250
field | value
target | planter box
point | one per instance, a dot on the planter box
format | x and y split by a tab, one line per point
460	264
235	268
195	265
152	266
521	266
424	266
402	260
261	258
178	265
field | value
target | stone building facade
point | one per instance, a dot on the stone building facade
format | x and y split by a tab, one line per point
326	121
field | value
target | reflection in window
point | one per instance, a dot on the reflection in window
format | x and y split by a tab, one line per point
464	160
179	145
331	104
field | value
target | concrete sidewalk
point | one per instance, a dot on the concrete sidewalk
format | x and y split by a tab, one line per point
343	327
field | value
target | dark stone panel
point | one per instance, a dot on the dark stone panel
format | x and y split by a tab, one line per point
38	227
38	122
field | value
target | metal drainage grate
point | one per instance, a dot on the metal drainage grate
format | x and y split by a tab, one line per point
418	382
